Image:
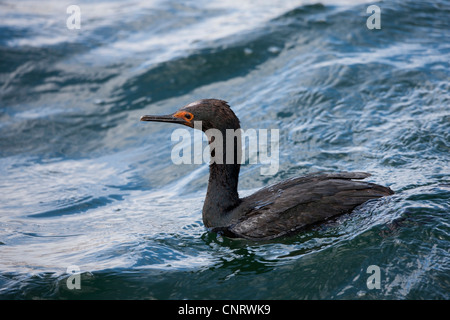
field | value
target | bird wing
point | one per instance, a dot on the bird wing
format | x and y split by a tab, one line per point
295	203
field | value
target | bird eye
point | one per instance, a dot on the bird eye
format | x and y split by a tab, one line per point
188	116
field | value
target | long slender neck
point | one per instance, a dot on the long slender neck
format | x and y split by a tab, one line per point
222	194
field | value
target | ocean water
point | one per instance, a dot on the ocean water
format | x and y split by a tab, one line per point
86	187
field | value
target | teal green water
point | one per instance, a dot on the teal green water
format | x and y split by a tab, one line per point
84	183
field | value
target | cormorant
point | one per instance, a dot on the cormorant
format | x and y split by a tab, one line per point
276	210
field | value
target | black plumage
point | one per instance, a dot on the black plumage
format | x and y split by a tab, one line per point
275	210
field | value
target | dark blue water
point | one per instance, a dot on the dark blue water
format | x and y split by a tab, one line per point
84	183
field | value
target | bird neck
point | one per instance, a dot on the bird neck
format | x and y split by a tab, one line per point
222	194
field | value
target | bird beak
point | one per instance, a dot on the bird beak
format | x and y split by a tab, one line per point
167	118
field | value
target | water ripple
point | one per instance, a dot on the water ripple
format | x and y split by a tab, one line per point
85	183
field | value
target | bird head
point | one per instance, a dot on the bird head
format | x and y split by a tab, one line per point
212	114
